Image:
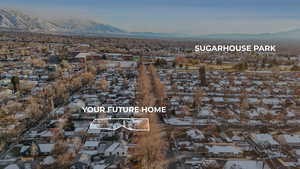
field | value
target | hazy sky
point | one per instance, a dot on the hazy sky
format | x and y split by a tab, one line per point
180	16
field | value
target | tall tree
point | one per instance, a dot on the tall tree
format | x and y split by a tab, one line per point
202	76
144	95
150	148
198	97
15	82
158	86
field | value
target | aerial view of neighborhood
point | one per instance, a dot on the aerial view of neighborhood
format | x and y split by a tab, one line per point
81	94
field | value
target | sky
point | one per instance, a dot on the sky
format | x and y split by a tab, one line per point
196	17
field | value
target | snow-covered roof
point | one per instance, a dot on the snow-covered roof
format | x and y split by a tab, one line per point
205	111
195	134
291	139
264	139
245	164
272	101
12	166
48	160
218	99
46	133
100	166
224	149
46	148
82	55
76	104
91	144
112	147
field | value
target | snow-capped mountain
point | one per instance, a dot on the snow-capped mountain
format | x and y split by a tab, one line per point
15	20
83	26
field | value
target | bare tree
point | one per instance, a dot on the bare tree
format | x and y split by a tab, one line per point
144	95
202	76
151	146
244	105
158	86
198	97
87	78
103	84
34	150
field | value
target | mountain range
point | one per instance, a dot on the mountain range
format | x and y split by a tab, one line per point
15	20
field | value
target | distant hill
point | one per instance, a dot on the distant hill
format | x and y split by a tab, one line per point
292	34
14	20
